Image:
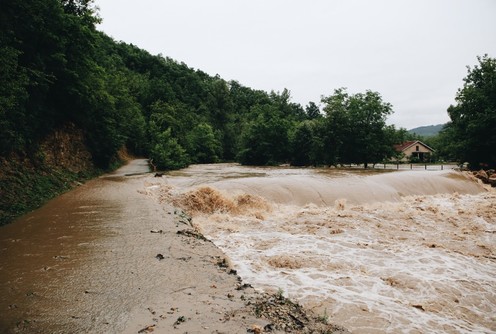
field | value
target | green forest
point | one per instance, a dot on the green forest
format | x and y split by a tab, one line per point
58	69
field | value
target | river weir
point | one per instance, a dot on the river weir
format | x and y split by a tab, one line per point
389	252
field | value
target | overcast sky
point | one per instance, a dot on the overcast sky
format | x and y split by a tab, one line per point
413	52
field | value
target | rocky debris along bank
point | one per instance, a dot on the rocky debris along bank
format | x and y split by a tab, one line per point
287	316
486	176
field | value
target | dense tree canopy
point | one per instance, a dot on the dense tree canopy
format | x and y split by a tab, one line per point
265	140
472	129
58	69
357	127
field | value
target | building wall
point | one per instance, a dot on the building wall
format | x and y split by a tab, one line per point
408	152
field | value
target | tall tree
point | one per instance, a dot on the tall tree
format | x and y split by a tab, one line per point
312	111
166	153
473	118
203	146
357	126
265	140
306	144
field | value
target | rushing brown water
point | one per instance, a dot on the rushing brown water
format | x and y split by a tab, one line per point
401	252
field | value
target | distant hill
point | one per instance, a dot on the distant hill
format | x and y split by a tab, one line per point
427	131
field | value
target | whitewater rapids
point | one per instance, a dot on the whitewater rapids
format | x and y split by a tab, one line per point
395	252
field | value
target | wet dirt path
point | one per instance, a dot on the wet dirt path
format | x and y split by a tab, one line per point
87	262
59	263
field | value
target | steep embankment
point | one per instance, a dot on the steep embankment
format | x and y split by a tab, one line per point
59	162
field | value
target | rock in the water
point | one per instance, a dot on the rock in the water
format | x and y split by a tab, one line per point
488	177
492	180
482	175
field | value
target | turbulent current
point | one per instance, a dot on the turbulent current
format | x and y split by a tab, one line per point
389	252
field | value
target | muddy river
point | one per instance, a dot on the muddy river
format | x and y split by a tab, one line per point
375	252
389	252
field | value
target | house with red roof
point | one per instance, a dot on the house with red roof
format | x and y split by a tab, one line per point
414	150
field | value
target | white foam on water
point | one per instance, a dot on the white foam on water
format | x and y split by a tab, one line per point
409	252
406	274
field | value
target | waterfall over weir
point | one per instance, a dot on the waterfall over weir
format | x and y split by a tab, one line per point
323	187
